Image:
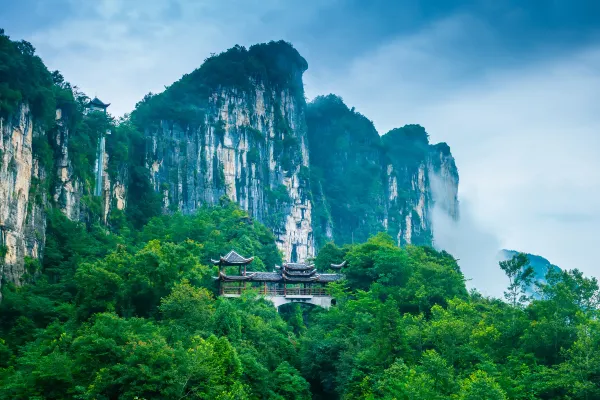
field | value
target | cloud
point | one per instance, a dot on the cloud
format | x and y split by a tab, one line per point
475	247
121	50
528	148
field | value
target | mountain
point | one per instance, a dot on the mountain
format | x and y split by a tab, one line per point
364	183
238	127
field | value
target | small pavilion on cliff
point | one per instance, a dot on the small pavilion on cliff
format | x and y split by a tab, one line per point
97	105
294	281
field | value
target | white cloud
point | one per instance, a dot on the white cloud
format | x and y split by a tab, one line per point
528	148
122	50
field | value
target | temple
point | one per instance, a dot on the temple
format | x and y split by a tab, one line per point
97	105
289	283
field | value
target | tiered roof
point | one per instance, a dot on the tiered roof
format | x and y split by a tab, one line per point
98	103
287	273
232	259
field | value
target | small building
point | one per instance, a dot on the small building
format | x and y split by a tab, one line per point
291	282
97	105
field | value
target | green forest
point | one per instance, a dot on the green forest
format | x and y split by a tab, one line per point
136	317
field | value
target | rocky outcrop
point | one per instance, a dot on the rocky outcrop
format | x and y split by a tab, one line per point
443	177
249	144
346	172
22	219
67	189
25	193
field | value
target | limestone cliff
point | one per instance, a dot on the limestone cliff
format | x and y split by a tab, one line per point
241	136
68	189
22	219
419	175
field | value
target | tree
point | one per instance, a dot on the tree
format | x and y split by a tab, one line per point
480	386
520	275
288	384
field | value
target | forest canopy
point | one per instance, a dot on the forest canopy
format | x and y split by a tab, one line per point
137	316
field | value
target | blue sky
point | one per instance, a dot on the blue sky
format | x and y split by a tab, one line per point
512	86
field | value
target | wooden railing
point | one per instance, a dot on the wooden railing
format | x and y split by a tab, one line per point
316	291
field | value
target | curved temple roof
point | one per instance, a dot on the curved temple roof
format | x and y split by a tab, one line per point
287	273
338	266
298	266
279	278
232	258
301	273
98	103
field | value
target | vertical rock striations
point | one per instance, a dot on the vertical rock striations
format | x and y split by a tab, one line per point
236	127
22	222
67	188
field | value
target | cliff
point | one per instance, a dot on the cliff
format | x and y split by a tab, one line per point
236	127
346	170
364	183
22	220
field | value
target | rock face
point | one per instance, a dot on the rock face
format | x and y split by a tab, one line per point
22	219
366	184
248	142
419	176
67	189
26	192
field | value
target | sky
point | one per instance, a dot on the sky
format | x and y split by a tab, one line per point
512	86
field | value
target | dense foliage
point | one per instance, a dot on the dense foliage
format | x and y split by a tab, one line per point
26	82
346	171
24	78
136	316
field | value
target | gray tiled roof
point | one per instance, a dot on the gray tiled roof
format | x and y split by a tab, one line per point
301	273
232	258
266	276
298	266
330	277
281	276
97	102
300	278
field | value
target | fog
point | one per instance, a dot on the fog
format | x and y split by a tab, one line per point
469	241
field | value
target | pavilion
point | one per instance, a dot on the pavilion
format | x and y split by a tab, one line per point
290	282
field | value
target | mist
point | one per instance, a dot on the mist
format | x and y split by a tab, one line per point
469	241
